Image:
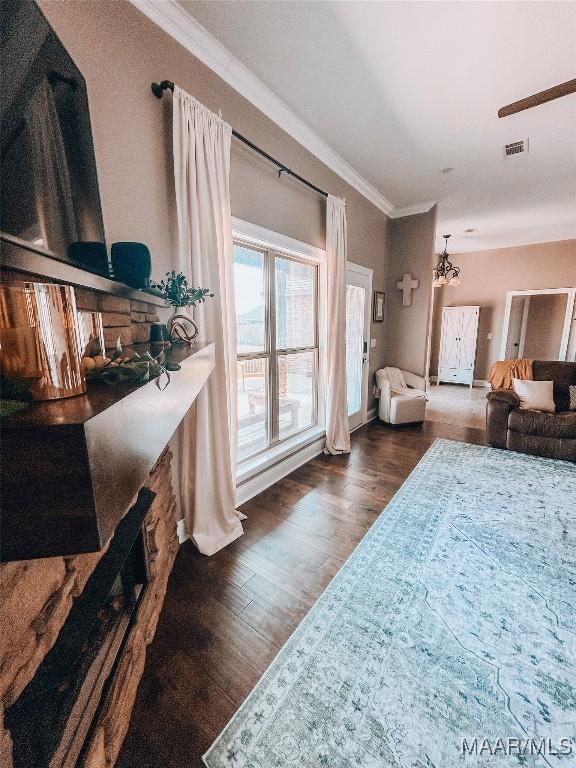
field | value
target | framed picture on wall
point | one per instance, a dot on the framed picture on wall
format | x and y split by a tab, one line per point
378	306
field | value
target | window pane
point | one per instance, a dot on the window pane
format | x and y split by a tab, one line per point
252	407
296	388
250	299
355	297
295	304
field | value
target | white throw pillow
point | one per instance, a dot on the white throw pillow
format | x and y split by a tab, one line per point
535	395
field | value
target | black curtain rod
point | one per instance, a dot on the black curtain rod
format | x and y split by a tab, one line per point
167	85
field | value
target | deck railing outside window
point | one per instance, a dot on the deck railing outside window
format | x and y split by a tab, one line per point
277	332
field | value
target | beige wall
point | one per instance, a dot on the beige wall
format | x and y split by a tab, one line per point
486	278
411	249
120	53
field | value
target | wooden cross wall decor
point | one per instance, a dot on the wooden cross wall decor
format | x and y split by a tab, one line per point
407	285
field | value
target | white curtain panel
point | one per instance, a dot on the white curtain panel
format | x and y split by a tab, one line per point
337	429
201	145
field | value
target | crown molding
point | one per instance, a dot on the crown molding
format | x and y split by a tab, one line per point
411	210
174	20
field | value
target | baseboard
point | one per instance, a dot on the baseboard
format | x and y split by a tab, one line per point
372	414
476	382
263	480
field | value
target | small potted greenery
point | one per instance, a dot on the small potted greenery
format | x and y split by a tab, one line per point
175	289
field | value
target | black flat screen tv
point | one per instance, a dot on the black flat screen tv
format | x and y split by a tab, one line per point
49	194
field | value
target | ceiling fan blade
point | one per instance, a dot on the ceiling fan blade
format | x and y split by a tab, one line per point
539	98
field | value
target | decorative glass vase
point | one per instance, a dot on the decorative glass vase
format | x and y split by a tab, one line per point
39	341
90	330
181	327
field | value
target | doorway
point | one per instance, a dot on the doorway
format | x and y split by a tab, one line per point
537	324
358	309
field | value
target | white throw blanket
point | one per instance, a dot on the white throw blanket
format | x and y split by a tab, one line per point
394	378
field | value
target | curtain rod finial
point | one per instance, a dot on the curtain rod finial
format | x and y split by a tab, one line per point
159	88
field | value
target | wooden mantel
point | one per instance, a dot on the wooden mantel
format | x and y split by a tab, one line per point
71	468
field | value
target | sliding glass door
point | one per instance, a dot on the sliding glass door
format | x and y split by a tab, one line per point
277	341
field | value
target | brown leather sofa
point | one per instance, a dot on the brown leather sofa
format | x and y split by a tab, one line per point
544	434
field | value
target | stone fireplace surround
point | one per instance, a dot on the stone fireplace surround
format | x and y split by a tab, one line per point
36	596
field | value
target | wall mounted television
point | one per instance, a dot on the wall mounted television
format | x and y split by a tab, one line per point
49	197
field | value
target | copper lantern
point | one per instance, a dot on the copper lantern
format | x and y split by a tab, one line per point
39	341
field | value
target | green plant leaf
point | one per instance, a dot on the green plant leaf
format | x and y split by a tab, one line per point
118	350
8	407
94	348
176	291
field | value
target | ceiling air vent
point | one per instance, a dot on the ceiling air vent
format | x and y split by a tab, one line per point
516	148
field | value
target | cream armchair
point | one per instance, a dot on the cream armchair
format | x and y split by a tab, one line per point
402	396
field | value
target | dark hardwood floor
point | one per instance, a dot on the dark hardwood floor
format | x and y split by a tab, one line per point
225	617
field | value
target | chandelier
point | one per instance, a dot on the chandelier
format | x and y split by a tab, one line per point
445	273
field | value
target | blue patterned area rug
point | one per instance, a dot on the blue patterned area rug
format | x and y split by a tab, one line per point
447	639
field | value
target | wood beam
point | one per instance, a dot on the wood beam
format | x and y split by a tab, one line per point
564	89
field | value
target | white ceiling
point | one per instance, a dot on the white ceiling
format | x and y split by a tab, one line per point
401	90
